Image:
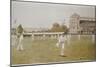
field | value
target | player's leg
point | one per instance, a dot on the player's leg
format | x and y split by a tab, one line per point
21	47
18	46
62	50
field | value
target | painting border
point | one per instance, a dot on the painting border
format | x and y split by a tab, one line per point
65	62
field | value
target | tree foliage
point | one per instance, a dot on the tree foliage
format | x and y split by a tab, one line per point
59	28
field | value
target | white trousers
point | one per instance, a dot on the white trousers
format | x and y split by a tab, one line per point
20	45
61	46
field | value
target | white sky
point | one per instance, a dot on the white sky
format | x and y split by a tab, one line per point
35	15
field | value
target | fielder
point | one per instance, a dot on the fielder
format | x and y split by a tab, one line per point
61	44
32	36
20	42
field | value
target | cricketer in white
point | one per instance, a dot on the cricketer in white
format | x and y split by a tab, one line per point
61	44
20	42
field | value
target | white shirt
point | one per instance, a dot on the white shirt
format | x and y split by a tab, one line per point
62	39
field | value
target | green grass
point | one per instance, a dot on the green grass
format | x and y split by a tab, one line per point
43	51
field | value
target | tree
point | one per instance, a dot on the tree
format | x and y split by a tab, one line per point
59	28
64	28
55	27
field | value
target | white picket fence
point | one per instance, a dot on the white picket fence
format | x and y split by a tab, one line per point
53	35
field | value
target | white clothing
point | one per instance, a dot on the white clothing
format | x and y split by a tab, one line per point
60	43
32	36
20	43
